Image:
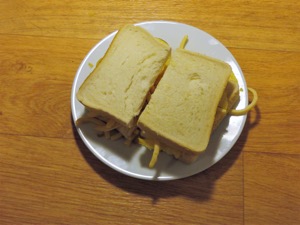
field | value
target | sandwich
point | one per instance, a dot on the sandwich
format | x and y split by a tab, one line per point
166	103
115	93
180	115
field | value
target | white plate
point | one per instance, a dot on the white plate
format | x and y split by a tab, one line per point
133	160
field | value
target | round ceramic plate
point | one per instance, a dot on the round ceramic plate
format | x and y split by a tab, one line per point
133	161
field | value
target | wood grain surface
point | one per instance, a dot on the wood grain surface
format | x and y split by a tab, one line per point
47	174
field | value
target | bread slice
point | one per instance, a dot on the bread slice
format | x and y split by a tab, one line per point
181	111
118	86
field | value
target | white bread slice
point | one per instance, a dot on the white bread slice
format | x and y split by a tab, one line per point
181	111
118	86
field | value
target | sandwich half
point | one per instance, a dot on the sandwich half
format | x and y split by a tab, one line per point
180	115
115	92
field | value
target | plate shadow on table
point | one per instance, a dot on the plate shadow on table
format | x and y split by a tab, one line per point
198	187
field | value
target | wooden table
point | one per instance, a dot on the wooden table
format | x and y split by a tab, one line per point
48	176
